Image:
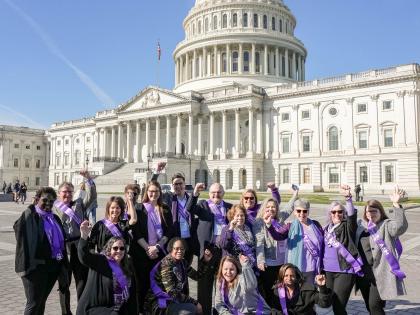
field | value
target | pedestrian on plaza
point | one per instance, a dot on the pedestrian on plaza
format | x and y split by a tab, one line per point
170	292
72	213
357	190
271	254
378	242
9	189
4	187
150	236
16	190
40	250
237	288
304	241
212	218
110	286
341	259
142	190
22	192
296	296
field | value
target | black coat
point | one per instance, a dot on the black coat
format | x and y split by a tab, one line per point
100	234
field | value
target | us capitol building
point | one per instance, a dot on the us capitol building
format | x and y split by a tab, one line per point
242	114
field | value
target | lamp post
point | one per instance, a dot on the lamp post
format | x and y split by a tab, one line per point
149	159
189	159
87	163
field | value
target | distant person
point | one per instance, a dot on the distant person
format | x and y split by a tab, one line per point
4	187
22	192
142	190
357	190
9	189
16	190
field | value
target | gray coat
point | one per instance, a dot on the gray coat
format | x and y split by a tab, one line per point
388	285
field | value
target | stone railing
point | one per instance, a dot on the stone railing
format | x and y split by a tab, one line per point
108	159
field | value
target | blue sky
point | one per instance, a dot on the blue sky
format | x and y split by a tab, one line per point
62	60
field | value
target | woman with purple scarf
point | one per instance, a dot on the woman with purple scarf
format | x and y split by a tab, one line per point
114	223
110	286
304	240
153	230
40	251
341	259
380	249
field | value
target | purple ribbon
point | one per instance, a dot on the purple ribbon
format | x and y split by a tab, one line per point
356	264
183	212
219	217
392	261
155	231
245	248
162	296
122	294
225	294
54	233
282	297
312	248
69	211
398	247
251	213
112	227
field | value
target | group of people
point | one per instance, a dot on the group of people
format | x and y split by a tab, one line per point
138	258
18	190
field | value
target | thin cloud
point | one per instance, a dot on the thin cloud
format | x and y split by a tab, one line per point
100	94
17	118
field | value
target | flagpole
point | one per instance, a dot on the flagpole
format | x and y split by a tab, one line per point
158	63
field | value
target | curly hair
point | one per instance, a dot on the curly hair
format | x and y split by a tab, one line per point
45	191
125	262
232	211
172	242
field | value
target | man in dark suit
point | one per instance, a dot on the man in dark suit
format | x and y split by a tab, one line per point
211	214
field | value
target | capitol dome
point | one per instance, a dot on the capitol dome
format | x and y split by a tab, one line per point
243	41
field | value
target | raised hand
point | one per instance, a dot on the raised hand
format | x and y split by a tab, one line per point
85	229
345	190
397	195
320	280
207	255
243	259
267	218
232	225
199	187
271	185
261	267
160	166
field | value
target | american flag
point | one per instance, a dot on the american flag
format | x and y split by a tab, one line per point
159	51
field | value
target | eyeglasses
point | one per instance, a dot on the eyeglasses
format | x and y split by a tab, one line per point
47	200
249	198
178	249
303	211
116	248
338	212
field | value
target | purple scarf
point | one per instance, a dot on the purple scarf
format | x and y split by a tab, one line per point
251	213
161	295
54	233
225	295
121	292
69	211
112	227
282	297
392	261
154	226
246	249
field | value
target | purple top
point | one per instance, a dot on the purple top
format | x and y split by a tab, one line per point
252	212
308	261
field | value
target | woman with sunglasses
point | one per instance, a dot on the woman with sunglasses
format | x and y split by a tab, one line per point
305	240
295	296
114	223
169	293
380	249
40	252
110	286
153	230
341	259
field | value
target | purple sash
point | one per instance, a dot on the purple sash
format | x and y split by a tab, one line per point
282	297
392	261
112	227
122	293
245	248
225	295
54	233
356	264
311	247
217	212
183	212
161	295
69	211
252	213
173	210
154	227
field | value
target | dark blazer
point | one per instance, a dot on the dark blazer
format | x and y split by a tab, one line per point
205	222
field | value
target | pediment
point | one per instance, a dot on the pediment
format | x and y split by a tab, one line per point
151	97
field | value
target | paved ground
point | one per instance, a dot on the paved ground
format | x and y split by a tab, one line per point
12	299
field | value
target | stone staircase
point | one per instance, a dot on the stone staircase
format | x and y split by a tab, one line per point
116	180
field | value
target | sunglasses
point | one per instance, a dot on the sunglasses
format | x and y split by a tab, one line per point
249	198
303	211
47	200
121	248
338	212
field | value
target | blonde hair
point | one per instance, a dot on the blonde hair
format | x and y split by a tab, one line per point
264	204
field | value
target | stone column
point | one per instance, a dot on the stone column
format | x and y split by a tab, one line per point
92	148
265	59
253	64
240	59
176	71
250	131
138	140
147	139
294	66
178	134
286	63
71	151
113	138
129	143
103	150
157	135
303	69
373	110
204	62
194	63
219	63
97	146
259	132
278	65
200	136
275	118
168	134
299	70
53	148
187	67
228	60
224	134
237	133
190	133
211	136
215	60
120	137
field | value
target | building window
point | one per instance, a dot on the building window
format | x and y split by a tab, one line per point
333	176
87	140
306	114
306	175
246	61
285	144
285	116
389	173
388	138
306	143
332	111
66	142
265	22
235	20
224	21
206	25
255	20
16	145
287	27
224	62
38	148
362	108
363	140
66	160
363	174
285	176
280	25
37	181
215	22
387	105
57	179
27	147
57	160
38	164
333	138
15	162
235	61
58	142
257	62
77	156
245	20
273	23
26	163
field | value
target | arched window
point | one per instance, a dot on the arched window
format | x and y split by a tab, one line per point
273	23
246	61
235	61
235	20
224	63
245	20
257	62
215	22
287	26
206	25
199	27
193	28
280	25
265	22
224	21
333	138
255	20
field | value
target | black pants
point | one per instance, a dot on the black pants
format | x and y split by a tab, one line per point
266	281
38	285
341	284
80	273
142	268
374	304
